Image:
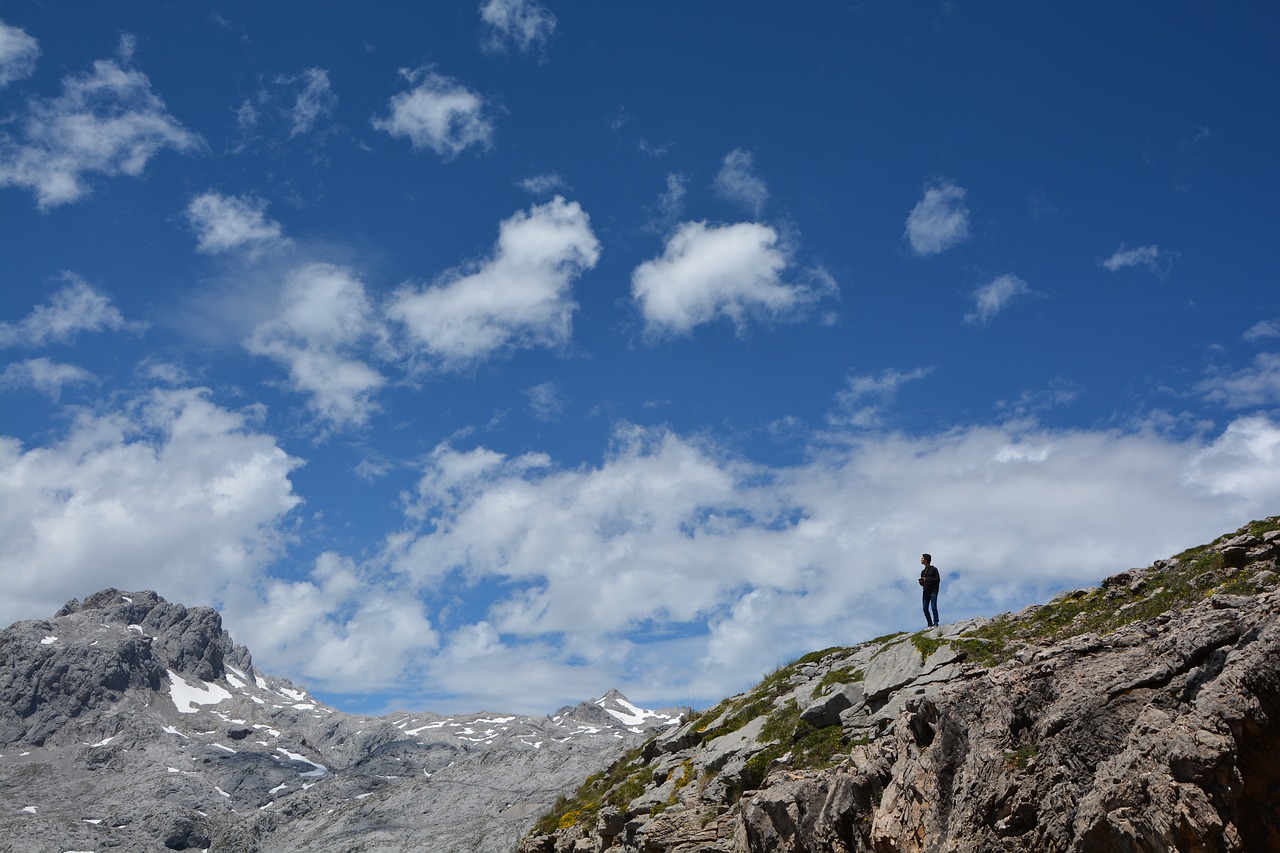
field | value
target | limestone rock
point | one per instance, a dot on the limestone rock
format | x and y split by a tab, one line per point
1101	733
128	722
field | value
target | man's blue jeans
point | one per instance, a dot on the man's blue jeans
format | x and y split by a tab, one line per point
930	600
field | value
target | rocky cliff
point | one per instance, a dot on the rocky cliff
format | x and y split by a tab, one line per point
1141	715
132	723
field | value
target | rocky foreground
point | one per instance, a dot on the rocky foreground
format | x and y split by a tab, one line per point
135	724
1139	716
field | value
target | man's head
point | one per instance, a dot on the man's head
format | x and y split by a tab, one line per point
925	559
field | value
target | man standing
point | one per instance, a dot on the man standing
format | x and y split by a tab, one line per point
930	580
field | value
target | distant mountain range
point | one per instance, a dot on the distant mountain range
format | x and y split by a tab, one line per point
128	722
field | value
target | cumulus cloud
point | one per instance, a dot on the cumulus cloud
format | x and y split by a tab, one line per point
738	182
1158	260
314	101
518	297
77	307
18	54
324	317
692	571
707	272
438	114
338	628
224	223
44	375
940	220
525	25
106	122
992	298
171	492
1256	385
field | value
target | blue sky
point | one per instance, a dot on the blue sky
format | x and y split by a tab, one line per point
493	355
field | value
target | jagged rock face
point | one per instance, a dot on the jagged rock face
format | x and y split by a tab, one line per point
128	722
1158	734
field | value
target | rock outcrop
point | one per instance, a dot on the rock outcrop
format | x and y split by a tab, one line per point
131	723
1141	715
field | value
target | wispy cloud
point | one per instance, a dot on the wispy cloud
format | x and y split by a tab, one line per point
44	375
940	220
993	297
324	318
546	400
1261	330
707	272
224	223
547	182
438	114
76	307
521	296
106	122
18	54
315	100
1158	260
525	25
861	403
737	181
1253	386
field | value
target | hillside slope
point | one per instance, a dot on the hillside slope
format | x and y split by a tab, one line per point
1142	715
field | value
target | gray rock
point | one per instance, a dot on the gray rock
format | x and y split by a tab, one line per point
128	722
1159	735
826	711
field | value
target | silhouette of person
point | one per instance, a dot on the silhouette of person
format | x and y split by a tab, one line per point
930	580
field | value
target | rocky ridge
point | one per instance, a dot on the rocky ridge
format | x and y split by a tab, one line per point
128	722
1141	715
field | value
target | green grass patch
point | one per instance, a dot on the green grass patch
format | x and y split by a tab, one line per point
926	645
1017	759
843	675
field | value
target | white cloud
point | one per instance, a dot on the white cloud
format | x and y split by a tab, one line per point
1158	260
940	220
992	298
738	182
223	223
75	308
711	271
1262	329
523	24
438	113
339	629
314	101
44	375
692	572
106	122
18	54
546	401
519	297
323	317
861	403
1257	385
171	493
545	183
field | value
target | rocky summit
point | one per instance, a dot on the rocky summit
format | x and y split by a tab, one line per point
1138	716
131	723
